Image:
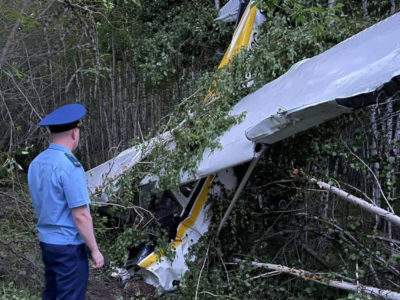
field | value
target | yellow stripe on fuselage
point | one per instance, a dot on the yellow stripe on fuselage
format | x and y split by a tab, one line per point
240	39
184	225
242	34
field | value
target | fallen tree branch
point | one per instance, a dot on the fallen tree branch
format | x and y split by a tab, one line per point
201	271
218	296
17	254
393	241
266	275
314	254
359	202
325	281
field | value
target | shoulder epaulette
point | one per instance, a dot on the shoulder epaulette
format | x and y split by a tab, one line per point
73	159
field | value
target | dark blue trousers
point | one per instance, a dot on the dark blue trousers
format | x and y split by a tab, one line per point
66	271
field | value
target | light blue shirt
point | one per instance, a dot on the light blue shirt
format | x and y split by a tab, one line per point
57	183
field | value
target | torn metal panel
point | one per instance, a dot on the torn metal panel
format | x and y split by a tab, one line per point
189	231
228	13
107	174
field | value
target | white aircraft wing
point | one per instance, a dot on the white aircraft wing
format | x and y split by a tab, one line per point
347	76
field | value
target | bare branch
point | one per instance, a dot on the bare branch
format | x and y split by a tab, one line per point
23	94
218	296
201	271
359	202
11	36
316	277
16	253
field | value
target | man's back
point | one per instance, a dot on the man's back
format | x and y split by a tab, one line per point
57	185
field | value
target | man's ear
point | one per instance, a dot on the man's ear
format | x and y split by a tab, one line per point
74	133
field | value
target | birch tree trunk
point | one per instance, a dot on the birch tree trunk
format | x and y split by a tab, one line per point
217	4
396	152
359	202
113	75
369	290
365	8
376	166
124	72
388	151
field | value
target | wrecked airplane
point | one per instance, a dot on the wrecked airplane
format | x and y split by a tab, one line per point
338	81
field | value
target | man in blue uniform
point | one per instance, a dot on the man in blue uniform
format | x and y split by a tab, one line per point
58	188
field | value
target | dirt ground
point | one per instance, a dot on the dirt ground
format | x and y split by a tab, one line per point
28	275
103	287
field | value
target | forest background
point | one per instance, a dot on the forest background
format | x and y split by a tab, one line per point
139	67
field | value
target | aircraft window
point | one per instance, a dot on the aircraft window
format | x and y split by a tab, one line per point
166	211
145	195
187	188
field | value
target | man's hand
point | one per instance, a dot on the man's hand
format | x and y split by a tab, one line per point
83	222
98	259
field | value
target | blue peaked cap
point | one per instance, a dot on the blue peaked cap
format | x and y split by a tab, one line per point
64	117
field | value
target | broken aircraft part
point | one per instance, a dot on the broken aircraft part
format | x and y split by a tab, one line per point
311	92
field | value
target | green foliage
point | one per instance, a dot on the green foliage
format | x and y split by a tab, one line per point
253	232
203	123
294	30
163	38
11	292
297	40
126	236
125	240
9	167
358	296
19	250
171	42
